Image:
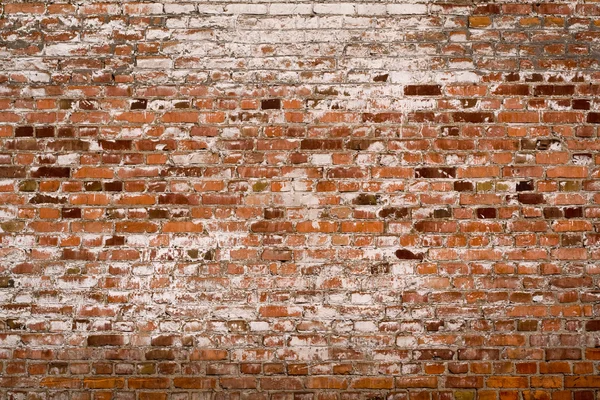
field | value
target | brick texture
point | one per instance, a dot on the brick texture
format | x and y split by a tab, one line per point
299	200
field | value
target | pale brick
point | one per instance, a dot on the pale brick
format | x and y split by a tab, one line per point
337	8
406	9
290	9
255	9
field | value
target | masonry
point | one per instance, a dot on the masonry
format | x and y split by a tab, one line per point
299	200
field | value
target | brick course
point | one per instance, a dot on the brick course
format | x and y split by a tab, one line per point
299	200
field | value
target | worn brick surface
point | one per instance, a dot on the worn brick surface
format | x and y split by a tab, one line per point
299	200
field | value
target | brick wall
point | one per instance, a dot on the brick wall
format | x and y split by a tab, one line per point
299	201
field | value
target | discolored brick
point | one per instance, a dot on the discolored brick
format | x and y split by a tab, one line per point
486	212
394	212
554	90
366	199
6	282
65	104
105	340
158	213
531	198
24	131
139	104
114	186
28	186
71	213
405	254
422	90
433	172
93	186
581	104
525	186
473	117
44	131
463	186
270	104
47	199
51	172
273	213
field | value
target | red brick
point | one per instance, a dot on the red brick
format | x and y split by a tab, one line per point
153	396
61	382
507	382
194	383
238	383
280	311
417	382
103	383
518	117
464	382
148	383
582	381
180	117
567	172
373	383
208	354
106	340
327	382
282	383
183	226
362	227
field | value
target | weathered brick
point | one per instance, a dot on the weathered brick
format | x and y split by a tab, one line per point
423	90
61	382
524	186
51	172
512	90
13	172
417	382
463	186
486	212
139	104
433	172
327	382
473	117
238	383
299	200
394	212
478	354
507	382
270	104
592	326
148	383
531	198
582	382
554	90
103	383
105	340
24	131
194	383
405	254
464	382
373	383
479	21
563	354
6	282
